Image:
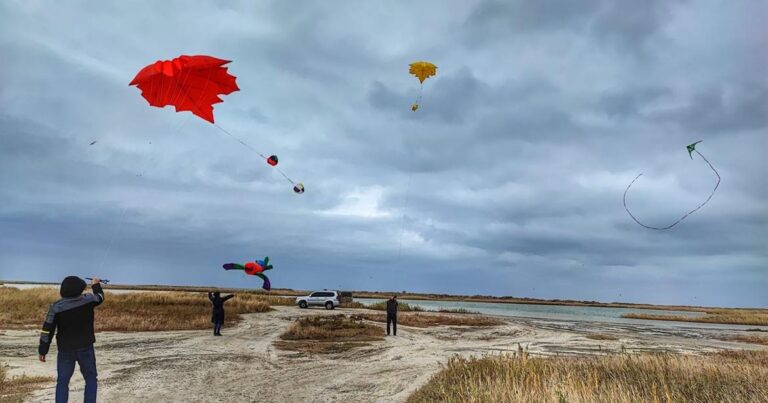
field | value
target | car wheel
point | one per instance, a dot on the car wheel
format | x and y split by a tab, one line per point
329	305
302	304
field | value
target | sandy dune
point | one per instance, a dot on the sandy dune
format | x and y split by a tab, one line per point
244	366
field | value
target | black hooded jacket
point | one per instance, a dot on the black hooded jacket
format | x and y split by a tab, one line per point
392	307
71	318
217	316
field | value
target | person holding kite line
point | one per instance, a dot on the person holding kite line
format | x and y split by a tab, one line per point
392	314
71	319
217	316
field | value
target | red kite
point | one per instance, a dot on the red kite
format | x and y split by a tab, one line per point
189	83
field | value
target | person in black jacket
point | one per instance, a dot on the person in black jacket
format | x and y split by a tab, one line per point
392	314
71	319
217	316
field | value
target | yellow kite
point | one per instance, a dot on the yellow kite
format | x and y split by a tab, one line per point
422	70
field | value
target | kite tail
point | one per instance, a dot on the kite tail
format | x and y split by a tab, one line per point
421	92
267	285
252	149
624	200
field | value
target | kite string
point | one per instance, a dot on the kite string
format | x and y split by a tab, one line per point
405	208
118	226
624	200
223	130
418	97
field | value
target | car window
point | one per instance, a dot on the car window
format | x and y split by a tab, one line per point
315	294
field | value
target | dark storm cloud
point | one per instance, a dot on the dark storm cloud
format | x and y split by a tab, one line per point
722	110
632	101
626	26
509	176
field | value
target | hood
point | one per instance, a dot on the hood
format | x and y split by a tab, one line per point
71	287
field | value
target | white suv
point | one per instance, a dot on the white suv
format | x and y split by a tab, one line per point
329	299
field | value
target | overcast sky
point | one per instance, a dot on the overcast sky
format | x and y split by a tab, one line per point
507	181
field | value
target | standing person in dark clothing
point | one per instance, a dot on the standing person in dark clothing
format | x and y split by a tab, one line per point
217	317
71	319
392	314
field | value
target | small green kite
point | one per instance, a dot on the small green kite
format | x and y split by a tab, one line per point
691	149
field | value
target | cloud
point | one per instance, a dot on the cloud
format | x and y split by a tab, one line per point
721	110
624	27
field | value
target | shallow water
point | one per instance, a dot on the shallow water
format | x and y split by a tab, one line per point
562	312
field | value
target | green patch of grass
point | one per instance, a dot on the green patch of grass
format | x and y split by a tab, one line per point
401	307
457	310
433	319
353	304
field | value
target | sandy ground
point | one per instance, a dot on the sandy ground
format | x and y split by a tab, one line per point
244	366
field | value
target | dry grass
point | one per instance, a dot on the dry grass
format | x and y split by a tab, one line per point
457	310
727	316
754	339
273	292
432	319
730	377
353	304
430	297
14	389
328	334
143	311
601	336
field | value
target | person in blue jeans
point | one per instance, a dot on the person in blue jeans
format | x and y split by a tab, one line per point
71	320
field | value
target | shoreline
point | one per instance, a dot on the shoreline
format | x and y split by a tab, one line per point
740	318
288	292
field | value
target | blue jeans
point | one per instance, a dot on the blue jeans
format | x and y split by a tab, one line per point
65	365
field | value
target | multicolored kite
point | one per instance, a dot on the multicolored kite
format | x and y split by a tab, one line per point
422	70
256	268
691	149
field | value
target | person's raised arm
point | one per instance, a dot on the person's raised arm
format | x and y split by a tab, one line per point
210	295
98	293
228	297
